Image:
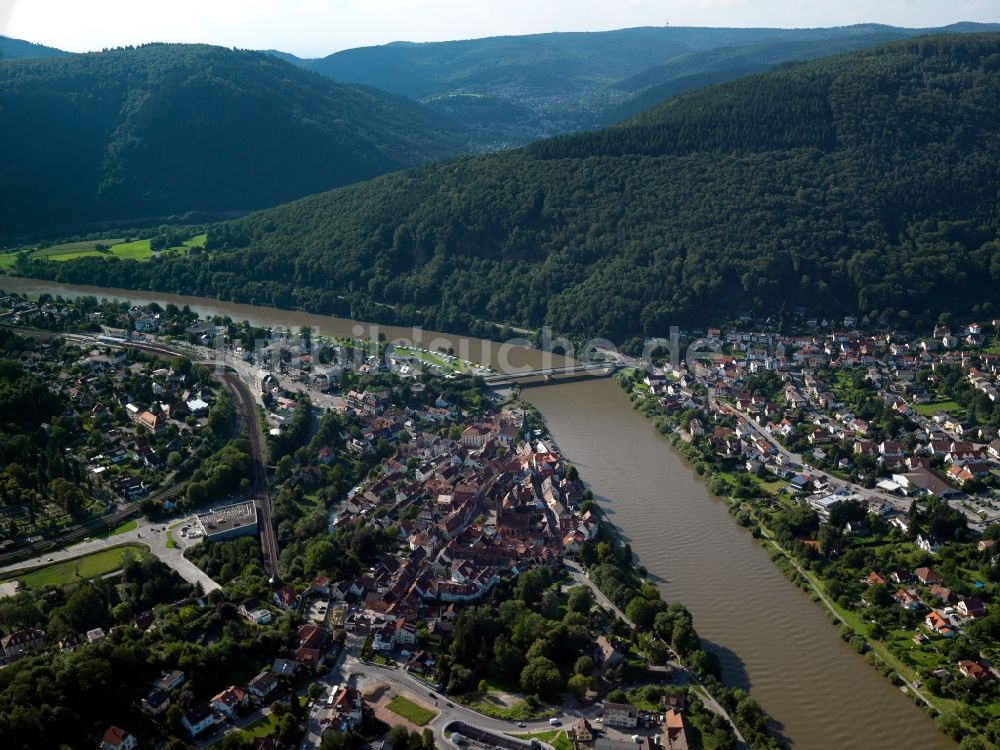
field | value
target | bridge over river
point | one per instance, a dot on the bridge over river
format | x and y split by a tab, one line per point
596	369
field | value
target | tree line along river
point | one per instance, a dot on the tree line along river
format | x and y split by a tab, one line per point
771	637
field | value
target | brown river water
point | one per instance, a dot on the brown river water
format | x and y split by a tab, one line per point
771	637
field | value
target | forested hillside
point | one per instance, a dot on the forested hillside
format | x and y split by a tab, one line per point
163	129
866	182
511	90
720	64
10	48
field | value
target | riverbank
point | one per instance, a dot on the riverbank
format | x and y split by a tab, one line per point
745	494
653	624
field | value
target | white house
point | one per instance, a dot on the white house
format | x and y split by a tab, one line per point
197	720
229	700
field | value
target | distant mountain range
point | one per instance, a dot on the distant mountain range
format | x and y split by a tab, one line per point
135	133
865	182
511	90
515	89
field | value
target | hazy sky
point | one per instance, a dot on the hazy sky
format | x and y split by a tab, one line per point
317	27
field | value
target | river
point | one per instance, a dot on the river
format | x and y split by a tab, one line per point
509	357
771	637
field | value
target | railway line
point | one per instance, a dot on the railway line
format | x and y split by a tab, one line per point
247	410
84	529
246	407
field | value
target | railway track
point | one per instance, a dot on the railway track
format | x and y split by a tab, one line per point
247	410
248	414
83	529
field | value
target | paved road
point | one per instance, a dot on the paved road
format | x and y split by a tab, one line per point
682	675
901	504
578	574
143	534
222	730
400	681
829	606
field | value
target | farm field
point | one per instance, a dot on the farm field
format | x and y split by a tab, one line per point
116	247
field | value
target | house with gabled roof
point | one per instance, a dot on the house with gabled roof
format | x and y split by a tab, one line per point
976	671
938	623
156	702
927	576
229	701
261	686
972	607
286	598
197	720
907	599
116	738
621	715
21	642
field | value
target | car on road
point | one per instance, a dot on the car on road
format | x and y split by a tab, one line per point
49	560
554	721
521	724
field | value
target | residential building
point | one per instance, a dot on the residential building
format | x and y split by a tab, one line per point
674	731
229	701
156	702
116	738
621	715
197	720
169	680
262	685
21	642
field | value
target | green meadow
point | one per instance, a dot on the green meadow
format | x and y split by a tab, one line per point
116	247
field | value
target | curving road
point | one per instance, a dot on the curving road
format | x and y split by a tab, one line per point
152	535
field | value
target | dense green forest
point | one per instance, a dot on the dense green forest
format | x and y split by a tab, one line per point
164	129
865	182
10	48
510	90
